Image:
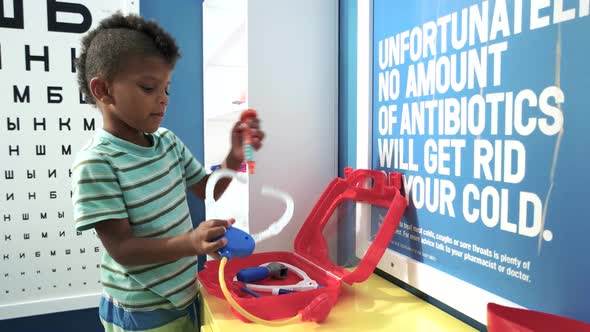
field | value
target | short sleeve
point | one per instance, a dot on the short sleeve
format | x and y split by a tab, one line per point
193	170
97	195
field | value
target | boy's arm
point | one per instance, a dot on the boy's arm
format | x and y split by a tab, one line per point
123	247
198	189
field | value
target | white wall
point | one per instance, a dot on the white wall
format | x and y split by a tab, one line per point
225	81
293	83
224	72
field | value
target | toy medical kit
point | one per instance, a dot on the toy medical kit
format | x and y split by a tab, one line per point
305	299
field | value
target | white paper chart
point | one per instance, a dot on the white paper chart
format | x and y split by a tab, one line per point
45	264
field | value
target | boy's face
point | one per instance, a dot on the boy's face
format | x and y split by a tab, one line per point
139	96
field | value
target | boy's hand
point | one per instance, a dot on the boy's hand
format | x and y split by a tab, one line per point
200	238
236	155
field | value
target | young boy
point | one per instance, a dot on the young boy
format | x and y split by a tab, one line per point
130	181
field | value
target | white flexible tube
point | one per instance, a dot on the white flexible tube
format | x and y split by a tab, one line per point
212	181
273	229
276	227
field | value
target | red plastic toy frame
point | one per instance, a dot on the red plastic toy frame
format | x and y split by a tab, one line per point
502	318
311	252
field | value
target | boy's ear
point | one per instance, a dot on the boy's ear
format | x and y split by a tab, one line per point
99	88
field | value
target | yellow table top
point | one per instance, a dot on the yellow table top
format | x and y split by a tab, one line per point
374	305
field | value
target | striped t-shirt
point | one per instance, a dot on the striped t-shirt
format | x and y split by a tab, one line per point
115	179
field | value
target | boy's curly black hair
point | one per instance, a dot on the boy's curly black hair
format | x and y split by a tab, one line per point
117	38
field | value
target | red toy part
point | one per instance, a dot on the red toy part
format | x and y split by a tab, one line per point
249	113
502	318
318	310
311	252
310	242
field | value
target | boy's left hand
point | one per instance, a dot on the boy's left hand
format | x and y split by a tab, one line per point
236	153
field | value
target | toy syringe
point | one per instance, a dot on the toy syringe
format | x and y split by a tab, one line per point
247	140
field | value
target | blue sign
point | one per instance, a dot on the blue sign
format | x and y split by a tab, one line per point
484	107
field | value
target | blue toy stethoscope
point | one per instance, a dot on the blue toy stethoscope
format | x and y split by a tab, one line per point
306	283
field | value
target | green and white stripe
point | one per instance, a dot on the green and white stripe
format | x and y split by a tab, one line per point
115	179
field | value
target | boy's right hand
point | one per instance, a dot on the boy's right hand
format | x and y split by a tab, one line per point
202	236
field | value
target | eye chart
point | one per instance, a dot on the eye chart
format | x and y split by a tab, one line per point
45	264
